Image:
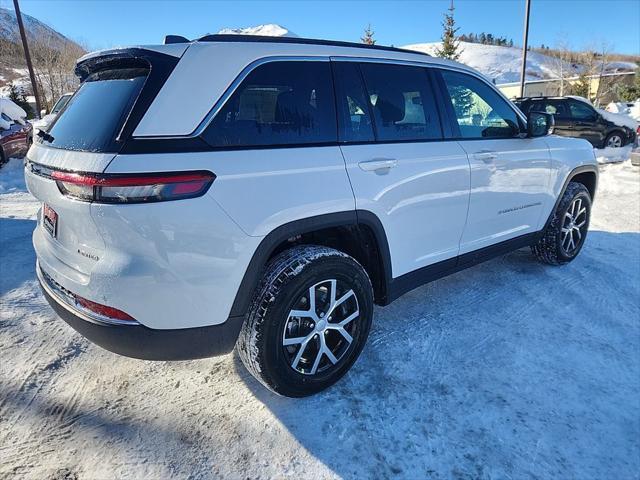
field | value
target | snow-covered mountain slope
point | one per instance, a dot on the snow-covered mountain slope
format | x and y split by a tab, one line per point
34	28
503	64
268	30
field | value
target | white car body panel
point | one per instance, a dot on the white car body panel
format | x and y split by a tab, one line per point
509	189
422	201
257	194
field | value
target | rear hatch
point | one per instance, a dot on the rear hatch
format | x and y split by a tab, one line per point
117	88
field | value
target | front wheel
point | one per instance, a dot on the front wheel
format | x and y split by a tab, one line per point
308	322
614	140
564	237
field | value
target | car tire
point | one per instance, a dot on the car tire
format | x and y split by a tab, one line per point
331	339
616	138
565	235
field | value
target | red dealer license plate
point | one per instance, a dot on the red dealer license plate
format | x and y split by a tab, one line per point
49	219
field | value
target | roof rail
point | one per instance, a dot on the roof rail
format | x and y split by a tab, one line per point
297	40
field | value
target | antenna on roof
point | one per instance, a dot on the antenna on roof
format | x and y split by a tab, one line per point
169	39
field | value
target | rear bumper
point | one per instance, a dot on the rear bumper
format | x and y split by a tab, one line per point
138	341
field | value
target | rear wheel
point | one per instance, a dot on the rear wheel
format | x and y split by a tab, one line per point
564	237
308	322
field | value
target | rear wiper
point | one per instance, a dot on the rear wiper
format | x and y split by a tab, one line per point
45	136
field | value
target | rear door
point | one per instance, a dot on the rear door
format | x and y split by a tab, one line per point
398	164
509	174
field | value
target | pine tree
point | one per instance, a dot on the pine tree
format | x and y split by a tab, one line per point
450	45
18	97
368	36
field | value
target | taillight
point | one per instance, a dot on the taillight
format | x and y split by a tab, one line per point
103	310
133	188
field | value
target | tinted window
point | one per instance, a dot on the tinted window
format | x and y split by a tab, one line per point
479	110
279	103
95	115
62	101
402	102
581	111
354	116
557	108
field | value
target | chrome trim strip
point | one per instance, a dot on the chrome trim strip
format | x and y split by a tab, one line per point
66	299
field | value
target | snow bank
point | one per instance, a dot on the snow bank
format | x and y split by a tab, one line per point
12	176
619	119
613	155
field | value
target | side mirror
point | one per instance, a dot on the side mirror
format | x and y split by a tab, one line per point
43	112
539	124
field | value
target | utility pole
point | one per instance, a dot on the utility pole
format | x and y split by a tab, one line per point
525	43
27	57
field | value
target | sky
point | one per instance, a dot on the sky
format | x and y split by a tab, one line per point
109	23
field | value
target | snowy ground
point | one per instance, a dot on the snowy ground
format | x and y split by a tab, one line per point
508	370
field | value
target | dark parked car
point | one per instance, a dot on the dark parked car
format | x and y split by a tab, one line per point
577	118
15	138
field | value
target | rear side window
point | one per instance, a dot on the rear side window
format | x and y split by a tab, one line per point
479	111
95	114
354	117
402	102
557	108
279	103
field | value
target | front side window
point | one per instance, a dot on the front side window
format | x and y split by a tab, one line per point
479	111
93	119
278	103
402	102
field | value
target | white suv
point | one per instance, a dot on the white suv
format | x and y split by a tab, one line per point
266	192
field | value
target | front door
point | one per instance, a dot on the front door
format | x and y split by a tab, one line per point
509	174
398	165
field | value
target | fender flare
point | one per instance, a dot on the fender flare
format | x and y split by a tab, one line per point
280	234
572	174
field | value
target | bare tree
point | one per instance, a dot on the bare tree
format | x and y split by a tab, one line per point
54	64
563	64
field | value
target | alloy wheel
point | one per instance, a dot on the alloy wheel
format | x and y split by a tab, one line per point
321	327
615	141
573	227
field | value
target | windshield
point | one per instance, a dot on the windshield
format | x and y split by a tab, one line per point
62	101
95	114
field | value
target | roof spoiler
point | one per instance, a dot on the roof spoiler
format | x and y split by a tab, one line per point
170	39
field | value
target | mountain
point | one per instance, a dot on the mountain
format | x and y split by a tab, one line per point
268	30
503	64
34	28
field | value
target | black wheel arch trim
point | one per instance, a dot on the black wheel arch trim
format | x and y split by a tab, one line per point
572	174
294	228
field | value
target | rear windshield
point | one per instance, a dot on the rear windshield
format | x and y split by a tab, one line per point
95	114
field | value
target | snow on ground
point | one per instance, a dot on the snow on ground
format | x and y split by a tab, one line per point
613	155
511	369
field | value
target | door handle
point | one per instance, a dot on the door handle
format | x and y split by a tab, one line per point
377	164
486	156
